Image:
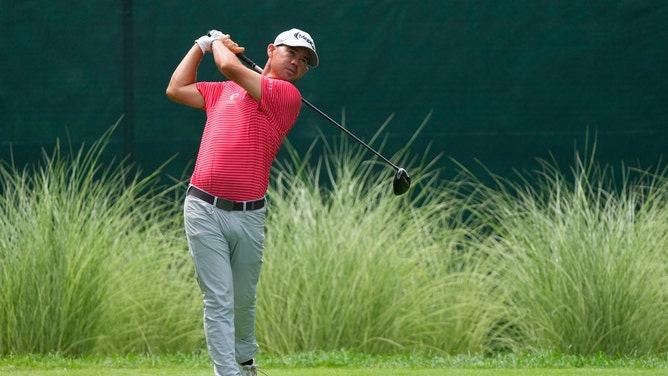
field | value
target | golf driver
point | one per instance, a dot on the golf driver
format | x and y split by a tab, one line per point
402	181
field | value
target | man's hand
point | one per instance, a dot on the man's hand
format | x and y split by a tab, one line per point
215	34
229	43
204	42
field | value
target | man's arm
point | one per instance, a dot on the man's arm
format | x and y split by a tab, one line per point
224	54
182	87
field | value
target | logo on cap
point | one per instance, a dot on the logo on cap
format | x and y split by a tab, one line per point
299	35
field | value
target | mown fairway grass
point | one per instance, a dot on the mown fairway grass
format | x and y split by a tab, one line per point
356	371
343	363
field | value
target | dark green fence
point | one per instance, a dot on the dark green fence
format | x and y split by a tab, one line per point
507	81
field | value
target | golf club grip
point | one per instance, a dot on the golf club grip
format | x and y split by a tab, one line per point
324	115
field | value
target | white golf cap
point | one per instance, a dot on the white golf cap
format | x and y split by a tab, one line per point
298	38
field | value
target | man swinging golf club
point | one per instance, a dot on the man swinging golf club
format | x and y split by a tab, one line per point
248	116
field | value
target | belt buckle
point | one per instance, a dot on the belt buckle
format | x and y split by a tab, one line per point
223	204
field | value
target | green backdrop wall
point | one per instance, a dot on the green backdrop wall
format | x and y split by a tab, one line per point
507	81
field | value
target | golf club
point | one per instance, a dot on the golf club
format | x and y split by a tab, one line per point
402	181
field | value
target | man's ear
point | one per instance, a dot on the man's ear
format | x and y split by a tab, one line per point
270	50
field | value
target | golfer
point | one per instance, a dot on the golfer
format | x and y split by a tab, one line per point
248	116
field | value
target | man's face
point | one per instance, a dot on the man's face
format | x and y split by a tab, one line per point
288	63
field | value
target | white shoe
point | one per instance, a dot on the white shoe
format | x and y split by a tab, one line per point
250	370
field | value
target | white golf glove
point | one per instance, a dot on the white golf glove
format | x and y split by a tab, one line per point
204	42
215	34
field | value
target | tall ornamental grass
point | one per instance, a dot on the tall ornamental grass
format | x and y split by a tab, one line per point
582	257
91	260
349	265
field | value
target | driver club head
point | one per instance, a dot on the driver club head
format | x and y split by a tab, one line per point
402	181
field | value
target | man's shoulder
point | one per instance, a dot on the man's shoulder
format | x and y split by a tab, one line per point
275	86
279	82
211	87
212	83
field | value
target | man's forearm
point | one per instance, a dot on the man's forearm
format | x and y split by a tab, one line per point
181	86
186	72
224	58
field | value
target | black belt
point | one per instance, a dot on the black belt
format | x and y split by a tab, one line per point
224	204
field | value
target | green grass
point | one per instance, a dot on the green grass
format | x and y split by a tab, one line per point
91	260
351	266
579	258
94	261
342	363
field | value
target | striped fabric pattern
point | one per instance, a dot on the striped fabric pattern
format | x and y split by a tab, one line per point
242	137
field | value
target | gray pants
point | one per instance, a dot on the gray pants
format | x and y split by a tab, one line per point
226	248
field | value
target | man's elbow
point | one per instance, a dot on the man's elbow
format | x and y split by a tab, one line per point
187	95
171	93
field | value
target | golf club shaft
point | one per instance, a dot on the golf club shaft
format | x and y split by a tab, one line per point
324	115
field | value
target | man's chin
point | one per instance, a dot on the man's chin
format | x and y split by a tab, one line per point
289	77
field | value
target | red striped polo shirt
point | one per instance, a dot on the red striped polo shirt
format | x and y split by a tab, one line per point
242	137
